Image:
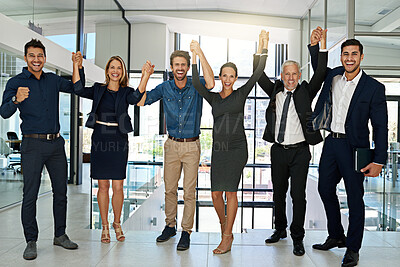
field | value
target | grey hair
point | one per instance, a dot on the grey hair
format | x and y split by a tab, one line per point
291	62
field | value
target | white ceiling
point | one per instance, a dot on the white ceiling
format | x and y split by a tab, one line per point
212	16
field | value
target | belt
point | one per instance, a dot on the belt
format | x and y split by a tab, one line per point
107	123
43	136
183	139
301	144
338	135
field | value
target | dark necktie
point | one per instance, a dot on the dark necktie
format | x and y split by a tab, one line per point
282	126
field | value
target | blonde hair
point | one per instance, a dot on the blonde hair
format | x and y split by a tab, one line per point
123	81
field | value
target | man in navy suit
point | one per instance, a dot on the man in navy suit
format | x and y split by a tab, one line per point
348	100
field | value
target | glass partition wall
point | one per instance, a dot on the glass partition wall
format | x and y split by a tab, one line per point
36	17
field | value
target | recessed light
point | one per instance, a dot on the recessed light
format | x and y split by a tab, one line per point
385	11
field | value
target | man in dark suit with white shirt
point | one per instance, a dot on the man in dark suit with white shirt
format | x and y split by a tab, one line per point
348	101
287	115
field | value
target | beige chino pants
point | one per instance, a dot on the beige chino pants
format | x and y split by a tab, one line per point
178	155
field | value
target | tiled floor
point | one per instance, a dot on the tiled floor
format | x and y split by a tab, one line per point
140	248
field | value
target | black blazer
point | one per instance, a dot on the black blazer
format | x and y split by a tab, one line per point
125	96
302	97
368	103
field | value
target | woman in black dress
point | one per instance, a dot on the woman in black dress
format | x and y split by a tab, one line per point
111	123
229	149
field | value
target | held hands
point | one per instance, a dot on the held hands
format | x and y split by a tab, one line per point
77	59
22	94
318	35
147	69
263	40
195	49
372	170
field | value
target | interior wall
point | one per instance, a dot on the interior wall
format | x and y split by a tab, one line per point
150	41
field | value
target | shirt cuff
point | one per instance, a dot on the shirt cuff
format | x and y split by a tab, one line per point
323	50
380	164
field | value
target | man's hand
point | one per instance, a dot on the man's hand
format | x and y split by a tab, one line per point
22	94
316	36
148	68
195	47
372	170
265	38
77	59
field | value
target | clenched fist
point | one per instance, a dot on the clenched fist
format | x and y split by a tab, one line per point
22	94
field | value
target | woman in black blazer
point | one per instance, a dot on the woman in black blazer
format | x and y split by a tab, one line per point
111	123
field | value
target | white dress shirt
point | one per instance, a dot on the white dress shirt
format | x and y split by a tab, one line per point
342	93
294	132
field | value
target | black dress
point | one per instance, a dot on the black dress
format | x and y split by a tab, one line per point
109	152
229	149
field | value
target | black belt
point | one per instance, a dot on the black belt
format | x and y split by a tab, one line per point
301	144
43	136
183	139
338	135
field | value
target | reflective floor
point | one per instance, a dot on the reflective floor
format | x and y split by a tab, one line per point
140	248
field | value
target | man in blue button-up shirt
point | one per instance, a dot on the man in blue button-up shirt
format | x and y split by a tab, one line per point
36	95
182	107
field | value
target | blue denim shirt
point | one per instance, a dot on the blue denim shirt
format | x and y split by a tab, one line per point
40	111
182	107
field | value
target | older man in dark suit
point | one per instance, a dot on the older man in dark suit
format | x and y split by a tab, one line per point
287	115
348	100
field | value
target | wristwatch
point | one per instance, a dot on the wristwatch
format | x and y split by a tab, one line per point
14	99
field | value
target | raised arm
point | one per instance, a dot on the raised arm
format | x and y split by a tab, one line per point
316	37
265	83
134	96
208	74
78	77
203	91
246	88
320	73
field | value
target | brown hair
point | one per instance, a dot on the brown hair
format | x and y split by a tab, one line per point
36	44
180	53
349	42
229	65
123	81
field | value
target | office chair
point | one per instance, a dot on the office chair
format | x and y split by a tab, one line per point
16	149
5	150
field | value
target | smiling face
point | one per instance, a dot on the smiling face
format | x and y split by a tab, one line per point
228	78
351	58
290	76
35	59
115	71
179	68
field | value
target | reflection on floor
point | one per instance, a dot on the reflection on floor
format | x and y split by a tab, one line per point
11	185
140	248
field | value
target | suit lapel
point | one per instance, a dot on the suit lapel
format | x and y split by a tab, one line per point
356	94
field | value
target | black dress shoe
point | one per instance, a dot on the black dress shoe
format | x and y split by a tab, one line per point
276	236
298	248
331	243
65	242
184	242
166	234
30	252
350	258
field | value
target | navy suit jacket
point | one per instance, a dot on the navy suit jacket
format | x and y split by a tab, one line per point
368	103
125	96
